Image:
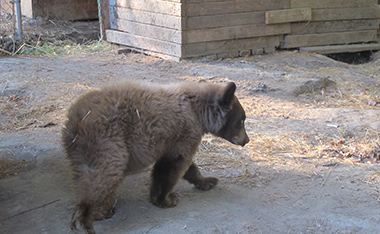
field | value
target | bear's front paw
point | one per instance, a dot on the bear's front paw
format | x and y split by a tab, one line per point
171	200
206	183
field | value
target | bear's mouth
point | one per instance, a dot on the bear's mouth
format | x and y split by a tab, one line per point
242	141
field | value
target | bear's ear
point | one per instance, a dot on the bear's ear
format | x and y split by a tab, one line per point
228	94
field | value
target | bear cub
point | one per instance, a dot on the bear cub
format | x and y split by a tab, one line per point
124	128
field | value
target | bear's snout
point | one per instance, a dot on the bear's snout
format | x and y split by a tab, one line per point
242	139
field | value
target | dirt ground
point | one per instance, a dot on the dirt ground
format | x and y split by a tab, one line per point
312	165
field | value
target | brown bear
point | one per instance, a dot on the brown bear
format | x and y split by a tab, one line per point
124	128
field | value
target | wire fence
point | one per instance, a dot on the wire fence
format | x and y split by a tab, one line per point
10	25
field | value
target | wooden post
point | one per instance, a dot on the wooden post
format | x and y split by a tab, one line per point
104	17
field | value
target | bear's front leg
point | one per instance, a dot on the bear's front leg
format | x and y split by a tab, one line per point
165	175
194	176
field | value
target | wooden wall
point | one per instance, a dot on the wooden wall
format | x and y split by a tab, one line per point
230	28
154	25
334	22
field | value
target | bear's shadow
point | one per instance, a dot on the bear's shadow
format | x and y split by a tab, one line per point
135	214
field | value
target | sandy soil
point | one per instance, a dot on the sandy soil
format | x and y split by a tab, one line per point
311	166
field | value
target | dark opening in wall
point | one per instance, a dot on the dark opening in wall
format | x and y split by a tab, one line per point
352	58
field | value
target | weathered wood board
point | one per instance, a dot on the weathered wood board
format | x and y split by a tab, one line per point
331	3
147	17
136	41
287	16
341	48
234	33
215	47
217	21
333	26
151	31
346	13
158	6
105	18
228	7
293	41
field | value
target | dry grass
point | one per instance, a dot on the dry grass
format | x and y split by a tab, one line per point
373	180
277	147
64	48
9	167
58	38
17	114
61	48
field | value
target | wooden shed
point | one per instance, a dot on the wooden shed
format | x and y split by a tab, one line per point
228	28
60	9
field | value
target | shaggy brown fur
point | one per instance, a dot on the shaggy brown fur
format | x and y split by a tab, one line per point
125	128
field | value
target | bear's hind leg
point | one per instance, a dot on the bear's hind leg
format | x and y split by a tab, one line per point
105	209
165	175
97	202
96	189
194	176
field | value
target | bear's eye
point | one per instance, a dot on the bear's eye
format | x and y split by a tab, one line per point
242	123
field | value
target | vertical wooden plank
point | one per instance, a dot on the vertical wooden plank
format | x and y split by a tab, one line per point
104	17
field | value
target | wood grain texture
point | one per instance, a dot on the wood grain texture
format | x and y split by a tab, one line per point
147	17
146	43
334	26
234	33
237	6
331	3
287	16
217	21
346	13
159	6
293	41
151	31
215	47
341	48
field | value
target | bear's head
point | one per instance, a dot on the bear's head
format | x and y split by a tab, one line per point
233	128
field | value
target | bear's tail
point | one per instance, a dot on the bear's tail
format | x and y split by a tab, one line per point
83	215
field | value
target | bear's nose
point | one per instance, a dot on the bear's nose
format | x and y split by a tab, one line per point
245	141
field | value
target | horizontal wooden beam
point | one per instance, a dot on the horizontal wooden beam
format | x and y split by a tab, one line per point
346	13
151	31
287	16
159	6
234	33
293	41
146	17
145	43
331	3
341	48
218	21
231	46
334	26
229	7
